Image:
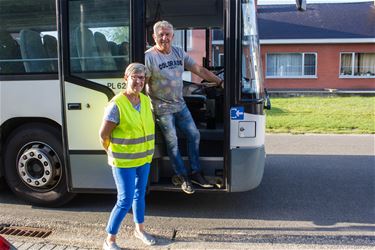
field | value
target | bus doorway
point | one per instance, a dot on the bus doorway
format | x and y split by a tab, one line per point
194	26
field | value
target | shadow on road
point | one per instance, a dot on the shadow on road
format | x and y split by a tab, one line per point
336	240
324	189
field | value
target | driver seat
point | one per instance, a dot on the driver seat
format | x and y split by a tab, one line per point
197	107
195	101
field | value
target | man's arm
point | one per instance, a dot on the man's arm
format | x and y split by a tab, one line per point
205	74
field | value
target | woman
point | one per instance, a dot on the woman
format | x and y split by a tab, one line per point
127	135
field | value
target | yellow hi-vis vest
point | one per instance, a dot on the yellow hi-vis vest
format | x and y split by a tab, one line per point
132	140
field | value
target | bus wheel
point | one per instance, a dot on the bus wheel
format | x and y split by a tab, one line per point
34	166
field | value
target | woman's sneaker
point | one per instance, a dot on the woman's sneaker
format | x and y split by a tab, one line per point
198	178
110	246
145	237
186	185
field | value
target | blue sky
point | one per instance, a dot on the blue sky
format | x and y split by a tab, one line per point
308	1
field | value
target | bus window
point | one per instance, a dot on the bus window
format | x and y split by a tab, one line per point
251	76
98	41
28	34
217	56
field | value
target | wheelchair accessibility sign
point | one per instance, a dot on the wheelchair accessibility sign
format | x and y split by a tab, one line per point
237	113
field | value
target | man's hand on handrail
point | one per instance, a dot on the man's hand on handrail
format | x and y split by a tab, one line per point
213	84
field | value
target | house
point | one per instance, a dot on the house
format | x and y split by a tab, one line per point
327	46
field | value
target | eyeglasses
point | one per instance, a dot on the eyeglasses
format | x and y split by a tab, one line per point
134	77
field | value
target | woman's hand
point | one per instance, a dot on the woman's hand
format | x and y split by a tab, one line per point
105	133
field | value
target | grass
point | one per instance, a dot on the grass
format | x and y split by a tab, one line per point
335	115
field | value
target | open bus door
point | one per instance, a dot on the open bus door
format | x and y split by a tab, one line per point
193	21
98	40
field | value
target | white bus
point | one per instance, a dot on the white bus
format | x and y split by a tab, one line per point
62	61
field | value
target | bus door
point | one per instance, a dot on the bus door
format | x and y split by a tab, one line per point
247	119
96	45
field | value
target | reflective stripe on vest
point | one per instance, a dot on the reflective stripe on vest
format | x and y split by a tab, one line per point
132	141
131	156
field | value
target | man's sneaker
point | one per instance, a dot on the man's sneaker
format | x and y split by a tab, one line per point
198	178
110	246
186	185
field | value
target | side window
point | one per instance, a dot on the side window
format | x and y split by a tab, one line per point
183	39
291	65
179	39
28	43
361	65
217	58
99	36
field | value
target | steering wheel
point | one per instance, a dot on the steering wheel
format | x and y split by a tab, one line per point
191	88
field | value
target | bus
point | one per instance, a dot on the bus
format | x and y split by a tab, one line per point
62	61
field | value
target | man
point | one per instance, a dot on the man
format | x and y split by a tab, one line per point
165	65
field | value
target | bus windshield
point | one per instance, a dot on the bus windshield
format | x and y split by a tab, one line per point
251	76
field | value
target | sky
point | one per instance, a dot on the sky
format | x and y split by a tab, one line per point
308	1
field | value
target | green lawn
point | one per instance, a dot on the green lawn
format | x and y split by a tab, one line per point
337	115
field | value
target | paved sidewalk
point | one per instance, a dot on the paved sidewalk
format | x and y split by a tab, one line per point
25	244
37	246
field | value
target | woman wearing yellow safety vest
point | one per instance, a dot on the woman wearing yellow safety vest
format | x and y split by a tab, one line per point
127	135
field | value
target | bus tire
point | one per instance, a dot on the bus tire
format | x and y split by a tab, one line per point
3	186
34	165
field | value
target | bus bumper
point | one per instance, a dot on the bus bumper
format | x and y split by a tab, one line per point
247	168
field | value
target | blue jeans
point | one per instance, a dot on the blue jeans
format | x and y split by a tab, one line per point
131	186
185	123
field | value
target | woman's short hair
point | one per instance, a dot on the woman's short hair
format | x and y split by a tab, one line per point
162	24
134	68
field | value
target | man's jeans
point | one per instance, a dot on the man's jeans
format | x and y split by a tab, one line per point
185	123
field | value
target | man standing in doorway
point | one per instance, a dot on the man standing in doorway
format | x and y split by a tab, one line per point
165	65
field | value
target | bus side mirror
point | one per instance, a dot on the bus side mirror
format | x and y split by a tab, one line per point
267	103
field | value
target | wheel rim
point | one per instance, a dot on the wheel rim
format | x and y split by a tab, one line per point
39	166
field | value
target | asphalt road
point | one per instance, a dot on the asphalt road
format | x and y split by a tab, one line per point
318	192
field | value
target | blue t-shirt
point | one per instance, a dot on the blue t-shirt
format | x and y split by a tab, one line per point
112	113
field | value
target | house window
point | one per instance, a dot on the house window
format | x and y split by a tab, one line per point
217	36
357	65
217	54
291	65
217	42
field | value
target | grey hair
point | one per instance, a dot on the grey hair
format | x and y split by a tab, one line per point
162	24
135	68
